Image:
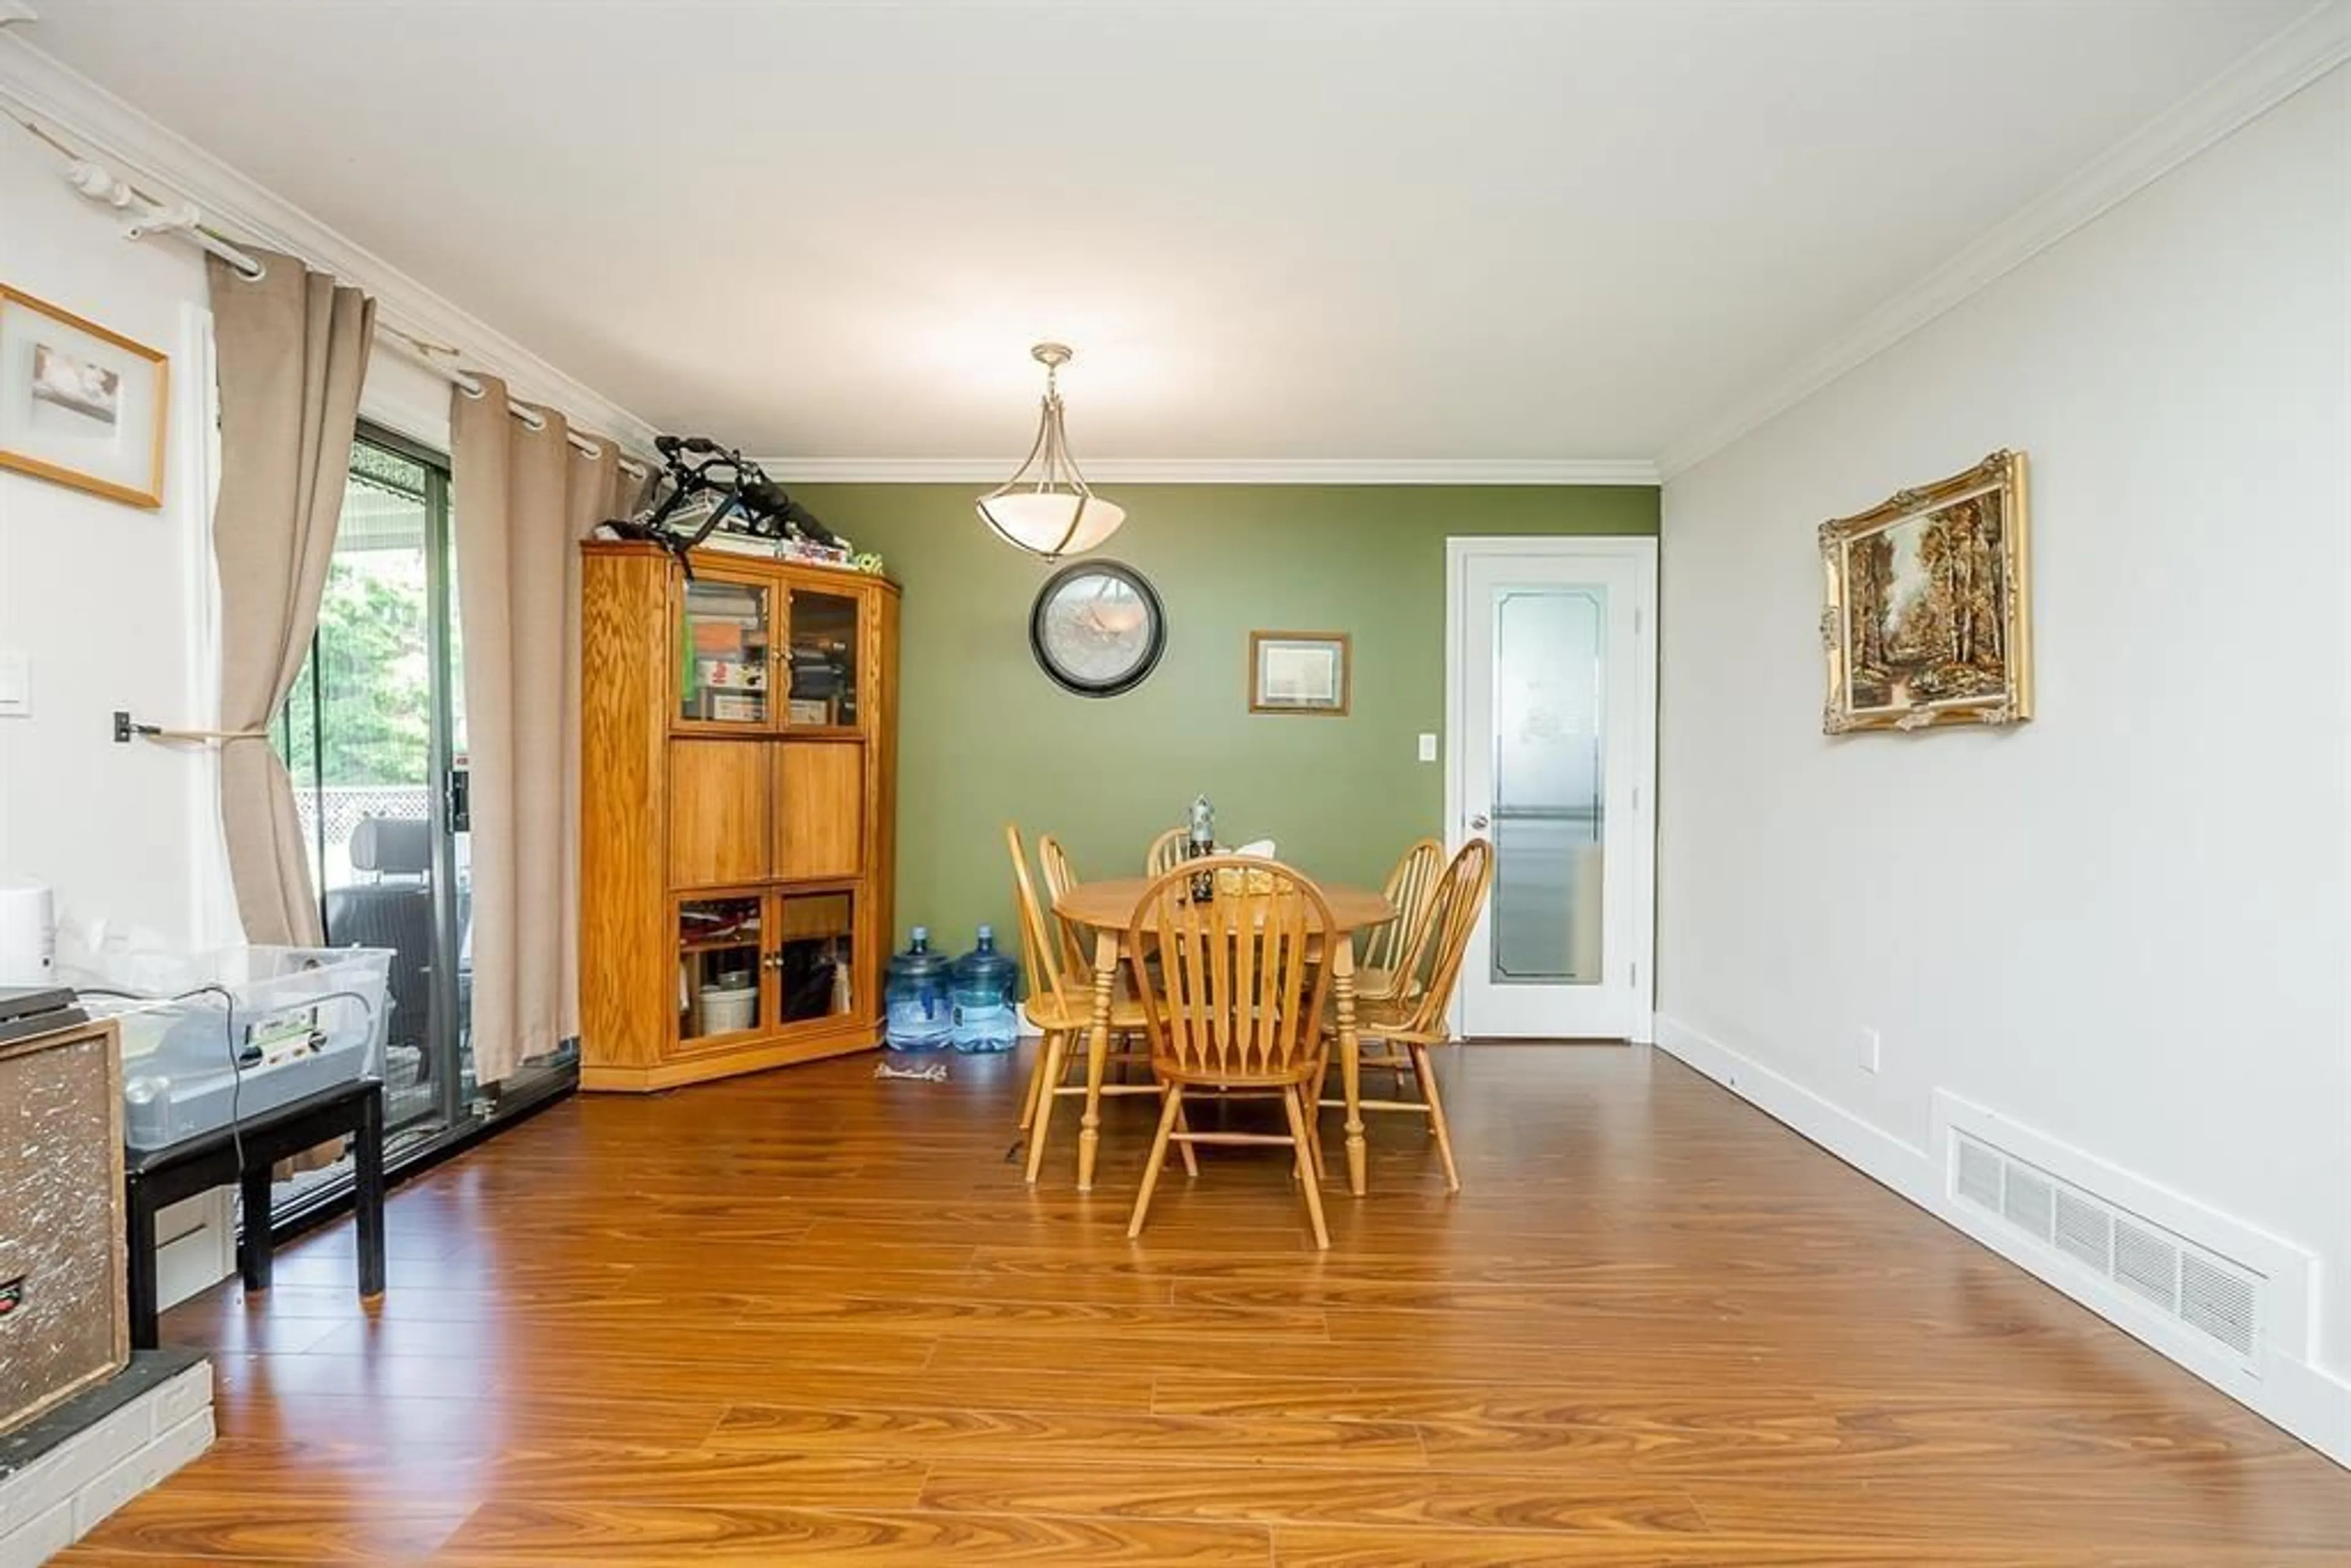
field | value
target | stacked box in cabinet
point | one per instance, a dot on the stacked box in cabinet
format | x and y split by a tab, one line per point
738	806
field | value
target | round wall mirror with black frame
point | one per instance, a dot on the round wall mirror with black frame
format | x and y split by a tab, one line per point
1097	628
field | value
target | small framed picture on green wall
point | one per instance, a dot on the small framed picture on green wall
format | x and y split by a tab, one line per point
1299	672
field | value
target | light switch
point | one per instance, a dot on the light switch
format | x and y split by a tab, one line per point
1427	747
16	686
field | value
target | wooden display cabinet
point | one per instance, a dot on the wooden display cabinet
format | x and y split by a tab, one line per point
738	799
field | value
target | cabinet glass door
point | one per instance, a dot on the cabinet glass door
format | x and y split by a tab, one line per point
815	956
822	660
719	964
723	654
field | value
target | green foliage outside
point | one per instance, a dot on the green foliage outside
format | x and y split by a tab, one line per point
376	697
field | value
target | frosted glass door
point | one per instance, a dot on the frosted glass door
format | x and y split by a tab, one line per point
1549	807
1549	753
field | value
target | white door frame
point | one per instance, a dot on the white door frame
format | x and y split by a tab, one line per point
1459	550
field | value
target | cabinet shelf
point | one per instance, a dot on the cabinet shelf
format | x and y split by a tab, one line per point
720	944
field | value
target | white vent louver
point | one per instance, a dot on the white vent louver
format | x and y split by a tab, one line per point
2218	1299
1980	1170
2028	1201
2146	1262
2085	1231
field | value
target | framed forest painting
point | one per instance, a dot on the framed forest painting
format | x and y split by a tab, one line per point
1927	621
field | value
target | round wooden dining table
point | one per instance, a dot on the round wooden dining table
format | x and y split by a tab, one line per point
1105	907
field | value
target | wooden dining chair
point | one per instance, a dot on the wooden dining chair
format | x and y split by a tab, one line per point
1380	953
1166	852
1061	876
1234	1010
1062	1011
1399	1029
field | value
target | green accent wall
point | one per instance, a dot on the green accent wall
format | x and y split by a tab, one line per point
986	738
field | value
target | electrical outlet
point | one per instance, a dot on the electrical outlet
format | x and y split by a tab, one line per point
1867	1048
1427	747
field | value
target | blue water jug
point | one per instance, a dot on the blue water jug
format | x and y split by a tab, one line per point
982	983
918	1009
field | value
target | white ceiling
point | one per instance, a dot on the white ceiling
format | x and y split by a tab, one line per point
1274	231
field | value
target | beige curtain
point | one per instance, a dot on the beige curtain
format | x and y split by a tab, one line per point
293	351
524	499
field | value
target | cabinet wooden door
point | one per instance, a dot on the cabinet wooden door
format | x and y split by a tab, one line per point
819	806
718	813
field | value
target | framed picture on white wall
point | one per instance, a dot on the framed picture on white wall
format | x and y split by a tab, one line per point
78	404
1929	617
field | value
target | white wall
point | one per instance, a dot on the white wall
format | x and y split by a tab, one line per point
2127	923
114	604
107	599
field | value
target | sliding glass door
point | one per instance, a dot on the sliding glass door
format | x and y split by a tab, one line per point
374	734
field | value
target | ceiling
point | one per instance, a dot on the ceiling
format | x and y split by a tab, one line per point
1455	231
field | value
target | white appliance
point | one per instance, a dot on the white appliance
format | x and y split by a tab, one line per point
28	934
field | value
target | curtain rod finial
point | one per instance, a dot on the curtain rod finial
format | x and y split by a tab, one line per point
97	182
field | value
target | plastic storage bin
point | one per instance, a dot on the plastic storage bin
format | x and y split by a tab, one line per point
273	1025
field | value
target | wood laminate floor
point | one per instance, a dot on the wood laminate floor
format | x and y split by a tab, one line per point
812	1317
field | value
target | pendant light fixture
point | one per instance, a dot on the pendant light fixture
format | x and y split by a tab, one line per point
1046	508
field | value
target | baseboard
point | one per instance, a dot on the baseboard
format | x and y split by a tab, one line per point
1868	1149
2305	1399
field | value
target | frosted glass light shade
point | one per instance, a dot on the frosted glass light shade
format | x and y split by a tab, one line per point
1040	521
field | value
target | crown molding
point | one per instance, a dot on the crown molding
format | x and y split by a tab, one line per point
1224	471
2272	72
112	131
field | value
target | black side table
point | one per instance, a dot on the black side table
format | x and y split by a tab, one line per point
156	1179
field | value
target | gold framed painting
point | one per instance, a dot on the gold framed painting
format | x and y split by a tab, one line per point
1929	622
80	404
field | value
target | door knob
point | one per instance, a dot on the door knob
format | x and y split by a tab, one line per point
1478	823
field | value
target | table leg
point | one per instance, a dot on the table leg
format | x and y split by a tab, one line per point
138	1261
367	1197
1351	1048
1097	1054
254	1247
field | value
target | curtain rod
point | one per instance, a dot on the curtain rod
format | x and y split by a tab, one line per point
418	352
149	217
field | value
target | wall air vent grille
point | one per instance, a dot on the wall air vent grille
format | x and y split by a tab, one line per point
1979	1175
2028	1202
2085	1231
2193	1286
2146	1262
2217	1300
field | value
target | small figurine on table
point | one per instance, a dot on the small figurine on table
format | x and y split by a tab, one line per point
1200	841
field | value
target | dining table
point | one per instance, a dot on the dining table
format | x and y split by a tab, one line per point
1107	908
